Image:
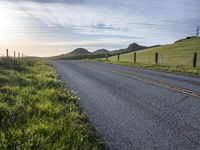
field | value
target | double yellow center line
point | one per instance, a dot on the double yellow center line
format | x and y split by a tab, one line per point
153	82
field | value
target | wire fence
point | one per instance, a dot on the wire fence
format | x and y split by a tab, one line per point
189	59
11	54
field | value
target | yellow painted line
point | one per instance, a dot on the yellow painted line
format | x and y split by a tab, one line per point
154	82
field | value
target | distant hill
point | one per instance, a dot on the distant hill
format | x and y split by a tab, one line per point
73	54
80	51
131	48
135	47
101	51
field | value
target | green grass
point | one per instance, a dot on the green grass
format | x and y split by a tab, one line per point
37	112
177	54
175	69
175	57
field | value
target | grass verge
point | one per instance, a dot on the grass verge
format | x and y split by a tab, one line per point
37	112
175	69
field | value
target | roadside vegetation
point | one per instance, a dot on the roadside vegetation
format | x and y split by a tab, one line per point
37	112
175	69
176	57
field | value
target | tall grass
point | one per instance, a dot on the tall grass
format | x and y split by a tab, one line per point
37	112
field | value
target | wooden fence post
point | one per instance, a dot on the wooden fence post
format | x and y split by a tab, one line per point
195	60
14	54
134	57
118	56
156	58
7	55
107	57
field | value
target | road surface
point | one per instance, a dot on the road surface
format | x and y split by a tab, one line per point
136	108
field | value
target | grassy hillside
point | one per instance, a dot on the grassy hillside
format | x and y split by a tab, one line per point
177	54
37	112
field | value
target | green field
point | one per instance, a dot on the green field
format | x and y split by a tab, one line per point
37	112
177	54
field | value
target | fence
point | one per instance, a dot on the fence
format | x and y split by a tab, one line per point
12	54
189	59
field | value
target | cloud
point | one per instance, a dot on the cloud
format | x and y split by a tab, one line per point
81	19
54	1
86	22
105	42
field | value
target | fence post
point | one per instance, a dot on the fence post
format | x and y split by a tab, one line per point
134	57
195	60
14	54
107	57
156	58
118	56
7	55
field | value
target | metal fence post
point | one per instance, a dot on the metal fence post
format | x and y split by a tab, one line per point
195	60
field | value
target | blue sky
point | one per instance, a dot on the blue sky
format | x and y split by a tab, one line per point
51	27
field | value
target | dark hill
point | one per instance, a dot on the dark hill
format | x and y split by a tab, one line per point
131	48
135	47
101	51
84	53
80	51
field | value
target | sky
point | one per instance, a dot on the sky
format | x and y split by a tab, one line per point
53	27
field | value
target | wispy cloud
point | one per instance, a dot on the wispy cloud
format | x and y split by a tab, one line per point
106	23
108	42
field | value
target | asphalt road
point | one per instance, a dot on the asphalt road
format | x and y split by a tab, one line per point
136	108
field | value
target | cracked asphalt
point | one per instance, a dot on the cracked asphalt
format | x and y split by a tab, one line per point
133	114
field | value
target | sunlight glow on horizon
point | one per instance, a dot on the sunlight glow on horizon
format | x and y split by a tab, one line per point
9	22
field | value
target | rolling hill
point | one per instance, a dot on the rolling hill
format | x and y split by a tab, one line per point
72	55
131	48
101	51
80	51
